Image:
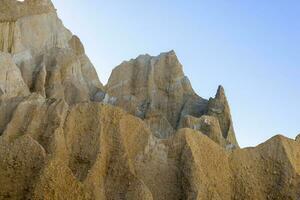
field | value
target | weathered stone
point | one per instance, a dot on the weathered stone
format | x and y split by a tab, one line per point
298	138
52	61
155	85
156	90
219	108
12	10
207	125
11	81
56	143
250	173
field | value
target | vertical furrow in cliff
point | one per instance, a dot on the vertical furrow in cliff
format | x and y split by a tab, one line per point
11	36
7	31
119	175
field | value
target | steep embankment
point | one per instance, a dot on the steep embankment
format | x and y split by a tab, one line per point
145	135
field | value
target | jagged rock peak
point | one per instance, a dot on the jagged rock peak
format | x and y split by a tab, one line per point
298	138
94	151
168	60
10	10
155	88
220	93
147	56
51	60
165	68
218	107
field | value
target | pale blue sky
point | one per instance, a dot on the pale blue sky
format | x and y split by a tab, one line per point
251	47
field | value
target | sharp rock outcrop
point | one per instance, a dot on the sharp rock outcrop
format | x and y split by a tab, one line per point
51	60
298	138
148	86
61	139
156	90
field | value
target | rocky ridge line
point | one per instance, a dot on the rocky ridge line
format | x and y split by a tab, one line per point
145	135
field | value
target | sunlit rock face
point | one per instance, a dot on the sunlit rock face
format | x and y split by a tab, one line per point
146	135
156	90
155	87
51	60
11	81
298	138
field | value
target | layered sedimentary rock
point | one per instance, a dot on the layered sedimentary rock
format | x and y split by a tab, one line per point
51	60
154	87
11	81
146	135
97	151
156	90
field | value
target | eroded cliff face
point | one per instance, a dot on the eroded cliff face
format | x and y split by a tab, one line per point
51	60
156	90
145	135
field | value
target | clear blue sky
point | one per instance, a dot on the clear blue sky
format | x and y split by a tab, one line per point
251	47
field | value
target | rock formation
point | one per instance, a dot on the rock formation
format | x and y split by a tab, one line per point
156	90
51	60
298	138
145	135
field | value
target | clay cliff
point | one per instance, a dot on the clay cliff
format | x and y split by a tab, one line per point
145	135
156	90
51	60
